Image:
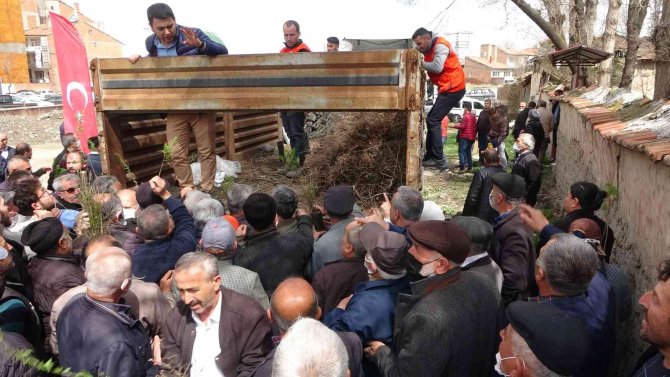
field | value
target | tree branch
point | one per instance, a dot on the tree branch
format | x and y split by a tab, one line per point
535	16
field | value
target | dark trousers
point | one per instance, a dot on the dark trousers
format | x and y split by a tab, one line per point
443	105
465	153
483	141
294	126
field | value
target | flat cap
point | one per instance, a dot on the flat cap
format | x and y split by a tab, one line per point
479	231
42	236
339	200
218	233
511	185
444	237
145	197
557	338
387	249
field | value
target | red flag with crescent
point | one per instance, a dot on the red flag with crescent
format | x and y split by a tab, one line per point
75	81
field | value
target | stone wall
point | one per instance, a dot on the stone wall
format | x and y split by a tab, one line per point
639	212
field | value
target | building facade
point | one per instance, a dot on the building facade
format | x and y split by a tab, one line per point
42	61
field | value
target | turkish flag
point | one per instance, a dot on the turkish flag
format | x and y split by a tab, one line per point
75	81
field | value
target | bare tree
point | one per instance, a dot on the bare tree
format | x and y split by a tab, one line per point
662	43
637	11
554	34
609	41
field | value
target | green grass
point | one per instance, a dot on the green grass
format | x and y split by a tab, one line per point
449	191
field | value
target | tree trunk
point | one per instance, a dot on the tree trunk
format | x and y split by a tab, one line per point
662	43
590	7
609	41
552	33
637	11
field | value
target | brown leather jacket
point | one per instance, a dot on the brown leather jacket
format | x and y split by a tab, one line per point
244	335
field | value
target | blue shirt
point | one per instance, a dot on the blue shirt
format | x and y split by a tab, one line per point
371	311
170	50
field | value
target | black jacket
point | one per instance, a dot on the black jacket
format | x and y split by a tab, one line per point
441	331
275	256
515	255
477	201
483	123
534	127
529	168
10	365
3	163
102	338
520	122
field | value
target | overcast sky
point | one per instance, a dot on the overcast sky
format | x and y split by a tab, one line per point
255	26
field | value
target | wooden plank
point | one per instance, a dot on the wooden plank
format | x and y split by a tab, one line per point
414	80
114	152
229	125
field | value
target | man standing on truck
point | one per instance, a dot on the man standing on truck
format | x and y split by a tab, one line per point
294	121
171	39
445	71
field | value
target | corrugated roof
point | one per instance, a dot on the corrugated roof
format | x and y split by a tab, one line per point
582	55
649	133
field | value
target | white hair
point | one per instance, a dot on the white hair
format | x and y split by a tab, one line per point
194	197
207	209
58	182
528	139
106	269
310	349
533	365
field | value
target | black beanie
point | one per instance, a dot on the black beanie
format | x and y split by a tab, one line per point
42	236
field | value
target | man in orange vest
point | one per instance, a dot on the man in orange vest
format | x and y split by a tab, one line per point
446	73
294	121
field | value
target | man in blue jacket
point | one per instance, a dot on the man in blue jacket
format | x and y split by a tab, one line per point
171	39
370	311
167	236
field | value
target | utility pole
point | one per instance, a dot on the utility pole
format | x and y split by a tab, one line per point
461	42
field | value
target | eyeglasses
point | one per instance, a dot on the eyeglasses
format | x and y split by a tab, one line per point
45	192
71	190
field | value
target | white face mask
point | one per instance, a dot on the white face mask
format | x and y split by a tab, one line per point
129	213
499	361
491	202
428	269
516	148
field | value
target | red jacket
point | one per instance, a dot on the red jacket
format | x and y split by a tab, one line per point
467	129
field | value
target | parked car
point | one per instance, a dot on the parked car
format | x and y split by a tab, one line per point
481	93
45	93
27	92
456	114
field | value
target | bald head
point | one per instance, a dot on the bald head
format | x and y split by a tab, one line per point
294	298
128	198
108	271
100	242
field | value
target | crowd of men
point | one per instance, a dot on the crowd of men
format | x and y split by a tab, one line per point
245	285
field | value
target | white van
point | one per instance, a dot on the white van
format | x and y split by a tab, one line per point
456	114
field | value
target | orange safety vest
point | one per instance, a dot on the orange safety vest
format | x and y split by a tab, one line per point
300	47
451	78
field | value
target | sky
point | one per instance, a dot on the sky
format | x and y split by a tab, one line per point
255	26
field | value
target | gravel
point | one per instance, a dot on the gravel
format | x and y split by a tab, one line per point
33	129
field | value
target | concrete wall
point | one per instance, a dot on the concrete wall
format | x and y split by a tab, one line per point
640	212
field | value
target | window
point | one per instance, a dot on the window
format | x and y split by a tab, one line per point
479	106
496	74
